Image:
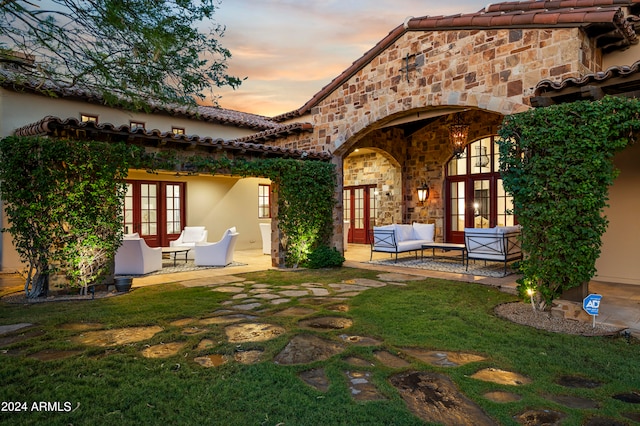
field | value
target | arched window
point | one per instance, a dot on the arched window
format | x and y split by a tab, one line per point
475	196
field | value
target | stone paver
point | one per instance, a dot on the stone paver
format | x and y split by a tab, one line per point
228	289
266	296
343	287
5	329
163	350
295	293
361	387
430	389
367	282
501	377
212	281
252	332
119	336
319	291
248	306
213	360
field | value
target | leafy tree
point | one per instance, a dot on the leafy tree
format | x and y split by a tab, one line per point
133	53
63	202
557	162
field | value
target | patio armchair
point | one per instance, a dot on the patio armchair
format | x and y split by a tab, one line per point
135	257
189	237
219	253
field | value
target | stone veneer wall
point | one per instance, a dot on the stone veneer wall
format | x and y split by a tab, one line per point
428	153
494	70
489	73
375	168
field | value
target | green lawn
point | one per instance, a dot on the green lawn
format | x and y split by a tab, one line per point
117	385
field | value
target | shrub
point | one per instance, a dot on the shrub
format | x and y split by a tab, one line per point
325	257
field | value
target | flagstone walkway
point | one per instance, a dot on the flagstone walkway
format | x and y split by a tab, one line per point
245	319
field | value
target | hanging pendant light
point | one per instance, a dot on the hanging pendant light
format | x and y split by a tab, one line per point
458	134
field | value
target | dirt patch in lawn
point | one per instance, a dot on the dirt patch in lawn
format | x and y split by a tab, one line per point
434	398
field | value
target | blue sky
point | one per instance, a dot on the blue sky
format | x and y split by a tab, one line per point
290	49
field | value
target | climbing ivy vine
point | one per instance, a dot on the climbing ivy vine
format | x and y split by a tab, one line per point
306	196
557	162
63	202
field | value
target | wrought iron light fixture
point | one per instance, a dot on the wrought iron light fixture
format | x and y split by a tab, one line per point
423	192
458	134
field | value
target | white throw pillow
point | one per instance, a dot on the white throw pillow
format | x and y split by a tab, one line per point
133	236
424	231
403	233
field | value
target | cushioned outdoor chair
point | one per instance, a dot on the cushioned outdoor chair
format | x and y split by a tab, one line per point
219	253
189	237
135	257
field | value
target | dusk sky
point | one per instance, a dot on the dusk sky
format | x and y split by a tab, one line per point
290	49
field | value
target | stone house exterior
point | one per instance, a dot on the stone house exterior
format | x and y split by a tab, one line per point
385	121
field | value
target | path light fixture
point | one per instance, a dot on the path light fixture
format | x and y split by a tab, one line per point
423	192
458	134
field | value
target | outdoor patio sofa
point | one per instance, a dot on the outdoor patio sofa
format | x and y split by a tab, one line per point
189	237
399	238
135	257
219	253
499	244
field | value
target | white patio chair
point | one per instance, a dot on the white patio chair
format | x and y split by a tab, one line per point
135	257
189	237
219	253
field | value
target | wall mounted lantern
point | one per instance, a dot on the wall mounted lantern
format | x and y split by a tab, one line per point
423	192
458	134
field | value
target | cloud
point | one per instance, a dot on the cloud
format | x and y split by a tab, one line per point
290	49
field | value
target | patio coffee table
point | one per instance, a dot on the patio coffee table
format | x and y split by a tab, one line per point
175	251
444	247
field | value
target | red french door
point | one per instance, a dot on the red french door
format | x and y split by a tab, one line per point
155	210
359	210
475	196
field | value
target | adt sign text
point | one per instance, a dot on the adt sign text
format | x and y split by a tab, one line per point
591	303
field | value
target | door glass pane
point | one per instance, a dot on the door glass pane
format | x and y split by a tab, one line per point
172	202
480	152
372	207
481	203
457	206
358	195
128	210
458	166
148	212
346	204
505	206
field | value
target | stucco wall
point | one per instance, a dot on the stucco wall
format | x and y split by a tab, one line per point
619	259
210	199
18	109
218	203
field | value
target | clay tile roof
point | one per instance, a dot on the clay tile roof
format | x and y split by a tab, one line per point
594	78
16	81
51	125
601	19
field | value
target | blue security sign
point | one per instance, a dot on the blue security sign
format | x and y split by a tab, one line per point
591	303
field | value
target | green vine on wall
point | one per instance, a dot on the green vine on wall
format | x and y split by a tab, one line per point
306	195
63	202
557	162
